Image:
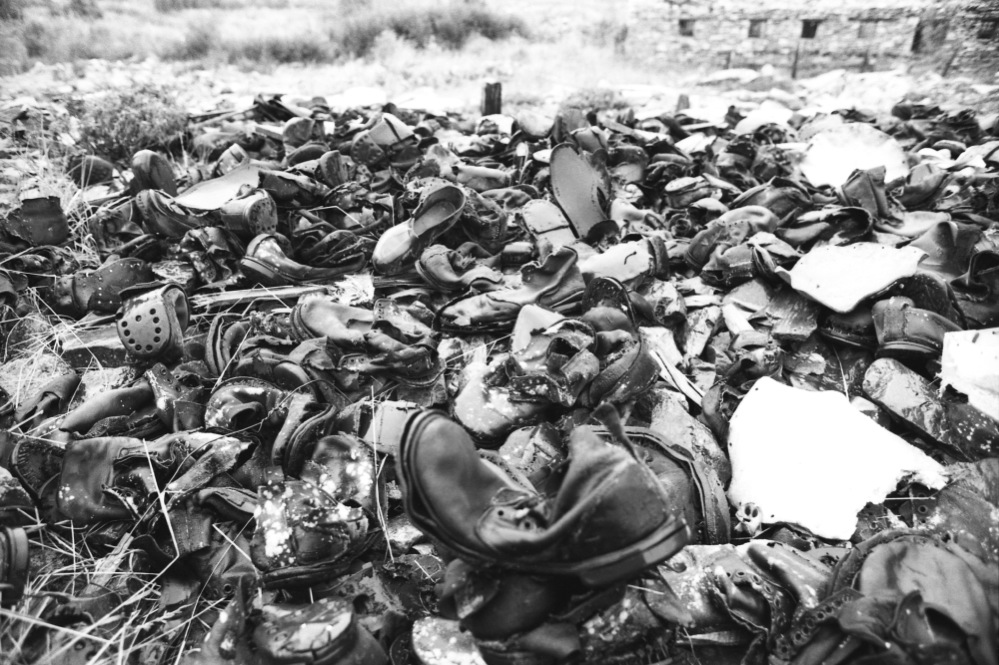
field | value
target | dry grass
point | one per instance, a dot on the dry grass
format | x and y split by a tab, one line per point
240	30
423	24
498	39
292	46
66	568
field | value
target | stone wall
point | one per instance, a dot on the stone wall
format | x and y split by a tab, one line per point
851	34
972	41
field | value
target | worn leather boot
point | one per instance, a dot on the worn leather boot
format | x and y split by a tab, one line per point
304	535
607	522
438	211
13	564
267	262
905	330
554	283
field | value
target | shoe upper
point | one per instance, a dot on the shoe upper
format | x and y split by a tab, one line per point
607	499
898	323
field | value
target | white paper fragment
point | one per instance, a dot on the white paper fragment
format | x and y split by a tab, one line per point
736	319
624	261
504	123
662	344
971	365
530	321
809	458
356	289
834	153
769	112
211	194
697	142
819	123
840	277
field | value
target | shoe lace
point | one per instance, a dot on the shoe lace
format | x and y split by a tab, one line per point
611	419
526	509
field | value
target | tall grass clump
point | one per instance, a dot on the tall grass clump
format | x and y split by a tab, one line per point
449	26
11	10
279	49
202	42
200	39
594	99
83	9
68	39
165	6
121	122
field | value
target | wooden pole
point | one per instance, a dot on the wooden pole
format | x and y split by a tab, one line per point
794	65
492	98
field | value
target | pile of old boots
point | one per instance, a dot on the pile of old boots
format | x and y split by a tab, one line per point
597	388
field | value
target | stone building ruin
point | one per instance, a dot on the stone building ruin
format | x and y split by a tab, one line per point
803	38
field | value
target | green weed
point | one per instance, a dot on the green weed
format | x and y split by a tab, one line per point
11	10
121	122
449	26
279	49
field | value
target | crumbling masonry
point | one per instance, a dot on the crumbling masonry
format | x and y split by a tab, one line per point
953	36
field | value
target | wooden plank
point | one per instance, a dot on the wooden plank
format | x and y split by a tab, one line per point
492	98
285	294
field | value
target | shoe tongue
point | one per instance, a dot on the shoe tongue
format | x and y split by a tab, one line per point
591	462
557	267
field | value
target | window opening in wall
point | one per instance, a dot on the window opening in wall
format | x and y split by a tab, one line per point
867	29
756	27
809	27
917	39
930	34
686	27
988	29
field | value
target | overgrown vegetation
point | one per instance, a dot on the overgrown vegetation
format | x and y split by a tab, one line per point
11	10
450	26
178	5
201	42
166	6
276	49
447	26
123	121
281	31
72	40
595	99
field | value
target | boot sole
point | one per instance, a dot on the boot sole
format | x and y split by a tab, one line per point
608	569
